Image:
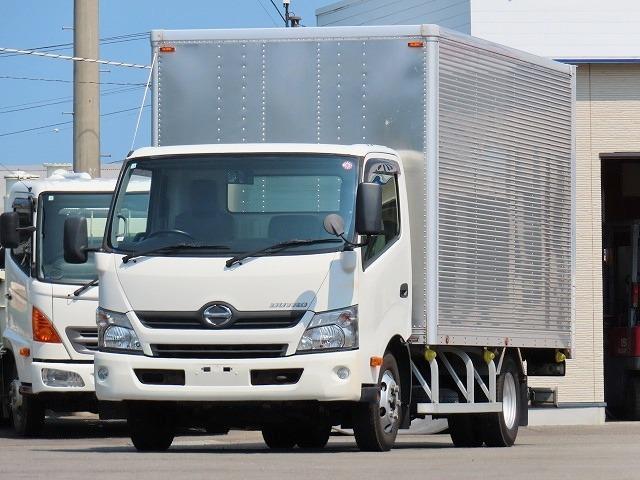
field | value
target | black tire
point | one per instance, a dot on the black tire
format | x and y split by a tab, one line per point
373	429
27	412
313	436
279	437
501	429
152	429
466	430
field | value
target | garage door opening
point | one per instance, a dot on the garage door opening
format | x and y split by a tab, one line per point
621	283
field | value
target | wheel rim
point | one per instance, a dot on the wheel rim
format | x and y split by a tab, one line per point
389	407
509	400
15	401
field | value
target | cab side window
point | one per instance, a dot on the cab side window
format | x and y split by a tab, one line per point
390	216
22	254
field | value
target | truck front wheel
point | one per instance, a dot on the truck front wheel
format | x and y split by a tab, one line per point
313	435
501	428
375	425
151	429
27	412
279	436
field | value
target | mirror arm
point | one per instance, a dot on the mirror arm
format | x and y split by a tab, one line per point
348	245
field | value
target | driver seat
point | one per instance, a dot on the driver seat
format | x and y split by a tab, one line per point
205	221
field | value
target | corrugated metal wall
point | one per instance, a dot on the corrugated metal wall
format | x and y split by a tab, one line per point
453	14
504	200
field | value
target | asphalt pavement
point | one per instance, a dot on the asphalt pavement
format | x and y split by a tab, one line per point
85	448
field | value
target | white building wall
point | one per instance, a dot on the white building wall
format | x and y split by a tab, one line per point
561	29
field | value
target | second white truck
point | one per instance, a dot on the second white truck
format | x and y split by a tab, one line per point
288	274
48	334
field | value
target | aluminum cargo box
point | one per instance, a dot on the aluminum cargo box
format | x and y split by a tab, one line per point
486	136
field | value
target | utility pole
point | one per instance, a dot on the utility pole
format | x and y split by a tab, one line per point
86	89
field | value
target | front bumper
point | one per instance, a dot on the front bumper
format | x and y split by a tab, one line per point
219	380
85	370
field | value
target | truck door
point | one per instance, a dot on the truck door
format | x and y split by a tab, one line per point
386	260
18	271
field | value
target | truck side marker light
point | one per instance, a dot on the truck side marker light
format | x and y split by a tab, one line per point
24	352
167	49
560	357
430	355
488	356
415	44
43	329
375	361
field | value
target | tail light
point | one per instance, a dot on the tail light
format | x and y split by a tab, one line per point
43	329
635	293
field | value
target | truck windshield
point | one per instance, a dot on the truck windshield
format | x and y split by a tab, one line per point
240	203
54	210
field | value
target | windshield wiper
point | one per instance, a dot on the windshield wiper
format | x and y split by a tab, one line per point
85	287
172	248
279	247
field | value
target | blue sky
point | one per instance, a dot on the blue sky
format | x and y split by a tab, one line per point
27	104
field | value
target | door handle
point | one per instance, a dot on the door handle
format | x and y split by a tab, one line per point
404	290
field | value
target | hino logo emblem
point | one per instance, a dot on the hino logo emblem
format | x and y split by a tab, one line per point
217	316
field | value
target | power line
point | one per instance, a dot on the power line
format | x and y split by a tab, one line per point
131	37
267	12
36	79
42	127
61	101
279	13
37	53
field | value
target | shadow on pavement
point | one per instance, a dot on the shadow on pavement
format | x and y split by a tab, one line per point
72	427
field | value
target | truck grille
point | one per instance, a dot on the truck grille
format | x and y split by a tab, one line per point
83	339
219	351
242	320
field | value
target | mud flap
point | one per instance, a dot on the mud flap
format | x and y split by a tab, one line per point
524	402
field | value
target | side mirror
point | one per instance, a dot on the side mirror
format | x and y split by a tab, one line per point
9	234
334	224
76	240
369	209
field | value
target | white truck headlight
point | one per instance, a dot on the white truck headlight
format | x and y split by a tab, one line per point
115	331
333	330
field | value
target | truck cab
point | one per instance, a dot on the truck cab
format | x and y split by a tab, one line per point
49	334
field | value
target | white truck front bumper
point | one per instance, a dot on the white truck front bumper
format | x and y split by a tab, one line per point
84	370
230	380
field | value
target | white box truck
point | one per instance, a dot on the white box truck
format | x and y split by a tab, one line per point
290	275
48	332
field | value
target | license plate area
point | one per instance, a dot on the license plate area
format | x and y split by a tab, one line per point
217	375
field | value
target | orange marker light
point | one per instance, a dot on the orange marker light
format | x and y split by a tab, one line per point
167	49
24	352
43	329
375	361
416	44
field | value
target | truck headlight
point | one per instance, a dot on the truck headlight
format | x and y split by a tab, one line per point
333	330
115	331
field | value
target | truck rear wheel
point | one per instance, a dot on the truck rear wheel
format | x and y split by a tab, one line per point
27	412
501	429
466	430
313	435
151	429
376	425
279	437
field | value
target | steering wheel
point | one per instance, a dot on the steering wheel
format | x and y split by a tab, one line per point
171	231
